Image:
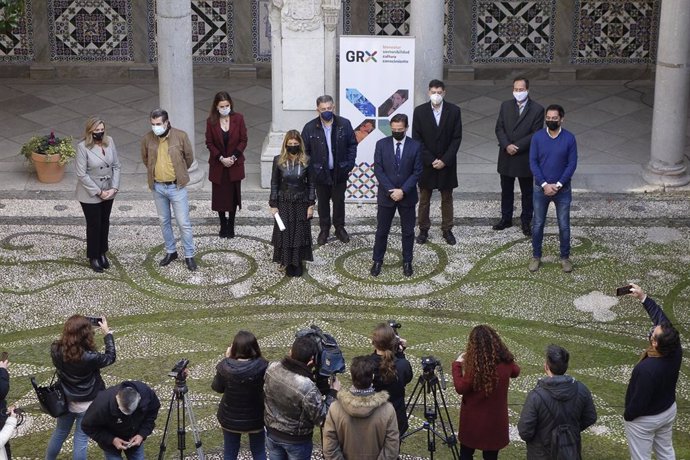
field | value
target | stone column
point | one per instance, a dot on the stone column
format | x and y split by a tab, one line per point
426	25
671	93
302	67
175	76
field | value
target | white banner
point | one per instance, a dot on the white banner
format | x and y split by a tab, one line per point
376	82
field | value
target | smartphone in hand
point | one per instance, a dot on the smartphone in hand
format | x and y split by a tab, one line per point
624	290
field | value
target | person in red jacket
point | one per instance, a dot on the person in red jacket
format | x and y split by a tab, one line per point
226	139
481	375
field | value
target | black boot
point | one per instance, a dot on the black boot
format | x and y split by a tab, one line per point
231	225
223	233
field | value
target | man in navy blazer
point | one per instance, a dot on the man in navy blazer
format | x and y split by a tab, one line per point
397	167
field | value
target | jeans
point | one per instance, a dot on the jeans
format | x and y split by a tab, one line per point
562	201
133	453
231	445
164	196
278	450
62	430
652	432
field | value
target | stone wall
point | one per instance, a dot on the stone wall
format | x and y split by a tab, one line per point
483	39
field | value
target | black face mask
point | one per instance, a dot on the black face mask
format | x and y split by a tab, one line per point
398	136
292	149
97	136
553	125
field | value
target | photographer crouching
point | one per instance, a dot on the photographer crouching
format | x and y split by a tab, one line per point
393	371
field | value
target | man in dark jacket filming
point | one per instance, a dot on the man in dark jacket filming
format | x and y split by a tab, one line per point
557	400
121	418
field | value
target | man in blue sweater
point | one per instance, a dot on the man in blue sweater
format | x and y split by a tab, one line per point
650	401
552	159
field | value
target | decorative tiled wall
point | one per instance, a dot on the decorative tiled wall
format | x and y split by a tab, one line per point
512	31
212	31
17	45
615	32
87	30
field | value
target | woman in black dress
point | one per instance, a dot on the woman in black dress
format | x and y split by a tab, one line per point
293	195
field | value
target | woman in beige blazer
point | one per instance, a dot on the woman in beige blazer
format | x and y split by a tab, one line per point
98	174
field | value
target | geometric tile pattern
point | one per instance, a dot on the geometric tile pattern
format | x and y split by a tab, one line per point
87	30
512	31
448	31
212	31
363	183
615	32
17	44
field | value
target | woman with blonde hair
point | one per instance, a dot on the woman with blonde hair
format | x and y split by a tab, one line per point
481	375
78	365
292	199
98	180
392	370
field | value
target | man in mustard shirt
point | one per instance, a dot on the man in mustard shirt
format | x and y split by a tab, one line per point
167	154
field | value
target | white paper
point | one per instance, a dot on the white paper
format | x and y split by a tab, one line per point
279	221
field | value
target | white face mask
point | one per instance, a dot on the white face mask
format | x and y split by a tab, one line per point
520	96
436	99
158	130
225	111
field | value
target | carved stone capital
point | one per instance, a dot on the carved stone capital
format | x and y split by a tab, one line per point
301	15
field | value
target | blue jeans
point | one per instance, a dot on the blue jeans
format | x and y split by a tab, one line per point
133	453
164	196
562	201
278	450
62	430
231	445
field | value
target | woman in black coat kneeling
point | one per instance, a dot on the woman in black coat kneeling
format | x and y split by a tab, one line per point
240	377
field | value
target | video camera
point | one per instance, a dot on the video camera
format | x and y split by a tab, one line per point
429	365
399	347
178	371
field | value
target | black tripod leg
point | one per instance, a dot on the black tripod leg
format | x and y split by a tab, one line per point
161	452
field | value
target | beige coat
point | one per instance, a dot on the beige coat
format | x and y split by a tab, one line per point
95	171
361	428
179	149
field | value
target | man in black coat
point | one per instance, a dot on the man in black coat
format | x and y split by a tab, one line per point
121	418
438	127
397	166
330	142
518	119
4	390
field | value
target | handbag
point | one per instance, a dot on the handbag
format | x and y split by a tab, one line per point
51	398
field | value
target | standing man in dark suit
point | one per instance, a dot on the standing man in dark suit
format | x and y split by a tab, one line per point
518	119
330	142
397	167
439	128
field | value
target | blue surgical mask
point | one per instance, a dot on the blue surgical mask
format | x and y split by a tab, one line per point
158	130
225	111
327	115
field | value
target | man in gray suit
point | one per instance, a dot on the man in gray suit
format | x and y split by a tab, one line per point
518	119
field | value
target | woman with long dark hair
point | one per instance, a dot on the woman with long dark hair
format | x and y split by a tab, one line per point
293	194
78	365
226	139
393	371
240	377
481	375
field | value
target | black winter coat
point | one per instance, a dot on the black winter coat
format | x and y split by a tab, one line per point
82	380
104	421
396	388
343	145
4	390
242	383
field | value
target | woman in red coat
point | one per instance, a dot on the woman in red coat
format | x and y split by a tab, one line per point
226	139
481	375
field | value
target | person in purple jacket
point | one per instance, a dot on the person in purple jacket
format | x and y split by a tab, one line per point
650	401
552	159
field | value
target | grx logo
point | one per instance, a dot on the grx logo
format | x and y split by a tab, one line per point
360	56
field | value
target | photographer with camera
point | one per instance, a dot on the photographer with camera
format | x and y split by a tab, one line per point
482	375
293	404
14	418
393	371
121	418
78	365
4	390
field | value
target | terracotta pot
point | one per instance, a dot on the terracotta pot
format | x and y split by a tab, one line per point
47	167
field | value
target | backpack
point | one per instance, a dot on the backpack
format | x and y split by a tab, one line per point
564	436
329	359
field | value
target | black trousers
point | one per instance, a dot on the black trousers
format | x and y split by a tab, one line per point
97	227
384	219
325	194
508	197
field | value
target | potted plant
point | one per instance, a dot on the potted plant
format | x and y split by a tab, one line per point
49	155
10	13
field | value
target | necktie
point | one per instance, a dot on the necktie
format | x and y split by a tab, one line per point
397	156
521	107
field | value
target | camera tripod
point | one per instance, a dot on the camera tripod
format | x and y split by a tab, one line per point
183	407
428	383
